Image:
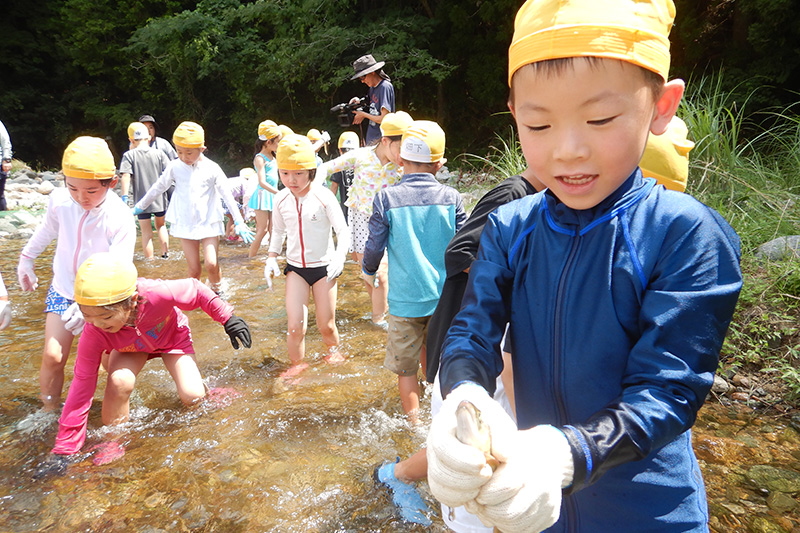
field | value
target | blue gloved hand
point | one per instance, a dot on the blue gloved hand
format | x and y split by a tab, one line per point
137	211
125	198
244	232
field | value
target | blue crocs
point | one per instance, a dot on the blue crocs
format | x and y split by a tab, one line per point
404	496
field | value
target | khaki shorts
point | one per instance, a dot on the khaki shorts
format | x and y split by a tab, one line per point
404	344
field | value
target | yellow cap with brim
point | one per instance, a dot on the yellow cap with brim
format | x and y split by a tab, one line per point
247	173
268	130
285	130
296	153
666	156
138	131
103	279
189	135
313	135
88	158
635	31
394	124
423	142
348	140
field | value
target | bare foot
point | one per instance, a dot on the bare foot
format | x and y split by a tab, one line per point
334	356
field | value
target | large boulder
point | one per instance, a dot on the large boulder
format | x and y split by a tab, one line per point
780	248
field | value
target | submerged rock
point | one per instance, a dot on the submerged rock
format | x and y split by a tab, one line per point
774	479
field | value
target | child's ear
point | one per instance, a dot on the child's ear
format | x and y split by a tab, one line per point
666	105
113	182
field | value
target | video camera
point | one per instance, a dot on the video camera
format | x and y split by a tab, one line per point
345	112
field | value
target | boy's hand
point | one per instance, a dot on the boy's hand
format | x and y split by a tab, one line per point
244	232
136	211
335	267
54	465
73	319
271	269
6	165
457	471
5	314
524	494
237	330
371	279
25	275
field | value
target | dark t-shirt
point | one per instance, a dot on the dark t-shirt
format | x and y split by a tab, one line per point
345	180
379	97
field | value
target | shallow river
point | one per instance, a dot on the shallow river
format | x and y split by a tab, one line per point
275	459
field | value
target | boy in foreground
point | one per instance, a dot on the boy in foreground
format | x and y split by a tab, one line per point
618	294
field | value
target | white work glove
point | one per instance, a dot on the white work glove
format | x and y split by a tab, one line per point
271	269
335	267
73	319
25	275
325	136
524	494
244	232
457	471
5	314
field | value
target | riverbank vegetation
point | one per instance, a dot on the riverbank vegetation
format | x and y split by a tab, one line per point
747	167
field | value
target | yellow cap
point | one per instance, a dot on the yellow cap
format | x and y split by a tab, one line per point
138	131
423	142
189	135
313	135
104	279
268	130
296	153
88	158
247	173
348	139
666	156
635	31
285	130
394	124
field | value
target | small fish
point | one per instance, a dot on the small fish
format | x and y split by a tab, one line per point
473	431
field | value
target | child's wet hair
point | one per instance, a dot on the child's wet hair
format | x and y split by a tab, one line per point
106	182
123	308
557	66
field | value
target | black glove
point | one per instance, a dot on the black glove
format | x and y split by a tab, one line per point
236	328
54	465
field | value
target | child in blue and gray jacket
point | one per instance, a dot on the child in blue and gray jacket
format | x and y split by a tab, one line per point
414	220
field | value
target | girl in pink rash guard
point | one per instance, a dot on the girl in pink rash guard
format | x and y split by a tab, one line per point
133	319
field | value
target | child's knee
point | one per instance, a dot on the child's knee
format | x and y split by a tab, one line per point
327	329
54	358
121	382
190	396
296	330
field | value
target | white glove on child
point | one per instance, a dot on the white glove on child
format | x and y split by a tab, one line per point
457	471
524	494
25	275
271	269
73	319
5	314
325	136
335	268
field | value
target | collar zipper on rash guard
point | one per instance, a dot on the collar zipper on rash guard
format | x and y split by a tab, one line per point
300	227
75	264
558	320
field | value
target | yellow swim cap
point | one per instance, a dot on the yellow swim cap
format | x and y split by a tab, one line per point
103	279
348	139
635	31
268	130
189	135
138	131
296	153
666	156
88	158
394	124
285	130
423	142
313	135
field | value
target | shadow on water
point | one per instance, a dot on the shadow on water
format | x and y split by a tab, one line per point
274	459
289	459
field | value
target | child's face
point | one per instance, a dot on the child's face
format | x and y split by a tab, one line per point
583	129
297	181
393	149
106	319
189	155
87	193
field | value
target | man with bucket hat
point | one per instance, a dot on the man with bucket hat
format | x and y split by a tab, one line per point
380	95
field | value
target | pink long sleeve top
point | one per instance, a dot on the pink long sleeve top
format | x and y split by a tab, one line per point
160	328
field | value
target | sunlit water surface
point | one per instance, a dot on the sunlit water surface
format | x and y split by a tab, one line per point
276	458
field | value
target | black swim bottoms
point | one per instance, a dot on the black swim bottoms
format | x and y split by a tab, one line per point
310	275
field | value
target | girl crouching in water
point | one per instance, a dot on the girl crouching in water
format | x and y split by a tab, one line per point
133	319
304	215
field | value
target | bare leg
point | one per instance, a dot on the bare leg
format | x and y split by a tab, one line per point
415	468
263	219
325	301
210	247
297	294
122	371
409	396
184	371
163	235
377	294
147	237
507	375
191	251
57	344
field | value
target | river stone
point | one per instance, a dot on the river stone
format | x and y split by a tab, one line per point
49	176
786	246
720	386
762	525
774	479
780	502
24	218
45	187
6	226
